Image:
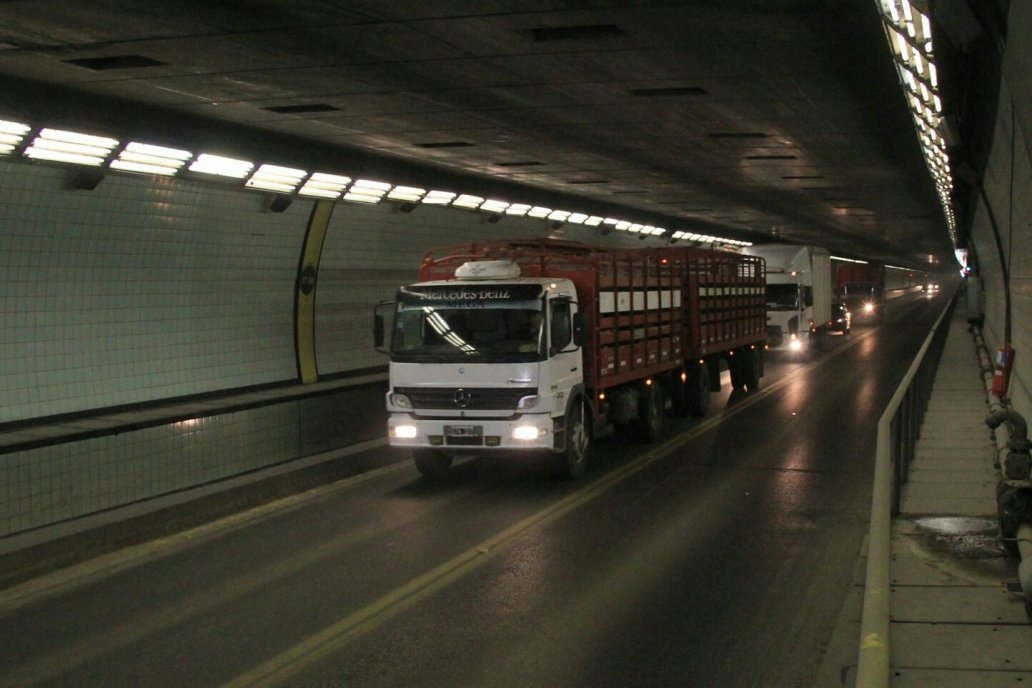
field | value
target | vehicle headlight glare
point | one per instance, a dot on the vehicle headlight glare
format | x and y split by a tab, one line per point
525	432
795	345
405	432
401	400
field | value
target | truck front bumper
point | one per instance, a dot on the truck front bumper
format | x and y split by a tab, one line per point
527	432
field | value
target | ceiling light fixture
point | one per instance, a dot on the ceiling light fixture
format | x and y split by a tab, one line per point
276	178
322	185
11	136
72	147
221	166
148	159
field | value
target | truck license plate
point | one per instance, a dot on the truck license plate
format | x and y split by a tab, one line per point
463	430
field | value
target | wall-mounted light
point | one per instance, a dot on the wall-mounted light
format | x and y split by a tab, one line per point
72	147
322	185
221	166
148	159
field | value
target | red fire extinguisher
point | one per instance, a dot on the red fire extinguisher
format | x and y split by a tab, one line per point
1002	370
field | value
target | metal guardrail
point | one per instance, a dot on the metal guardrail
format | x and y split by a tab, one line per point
898	429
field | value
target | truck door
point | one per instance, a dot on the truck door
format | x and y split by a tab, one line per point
564	356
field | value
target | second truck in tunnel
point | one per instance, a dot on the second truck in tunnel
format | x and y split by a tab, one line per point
532	346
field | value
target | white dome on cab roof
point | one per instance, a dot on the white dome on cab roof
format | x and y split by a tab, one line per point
488	269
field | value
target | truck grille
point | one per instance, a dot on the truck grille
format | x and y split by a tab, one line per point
465	398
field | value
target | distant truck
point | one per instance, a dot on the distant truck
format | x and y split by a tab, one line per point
624	333
799	295
861	286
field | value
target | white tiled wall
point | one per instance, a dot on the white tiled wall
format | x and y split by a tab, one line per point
139	290
1008	186
372	250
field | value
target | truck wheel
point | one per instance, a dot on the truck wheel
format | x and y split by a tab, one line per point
698	388
651	409
750	360
434	465
573	461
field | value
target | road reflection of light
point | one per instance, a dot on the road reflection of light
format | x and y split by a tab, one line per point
867	346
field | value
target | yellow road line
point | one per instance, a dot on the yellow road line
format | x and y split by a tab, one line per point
292	661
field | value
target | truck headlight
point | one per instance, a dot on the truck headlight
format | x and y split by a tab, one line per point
400	400
404	432
796	344
868	307
525	432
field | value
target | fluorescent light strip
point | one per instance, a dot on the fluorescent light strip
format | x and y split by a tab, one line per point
438	198
220	166
409	194
494	206
468	201
57	145
540	212
519	209
322	185
367	191
11	135
276	178
148	159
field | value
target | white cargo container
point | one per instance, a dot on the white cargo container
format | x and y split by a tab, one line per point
799	295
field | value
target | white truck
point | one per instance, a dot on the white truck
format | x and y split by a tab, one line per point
799	295
523	347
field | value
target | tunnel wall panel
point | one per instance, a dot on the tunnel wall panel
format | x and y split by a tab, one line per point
139	290
45	486
1008	188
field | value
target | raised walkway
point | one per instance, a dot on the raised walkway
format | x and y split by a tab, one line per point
955	620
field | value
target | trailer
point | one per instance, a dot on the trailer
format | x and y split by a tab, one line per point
625	335
799	296
861	287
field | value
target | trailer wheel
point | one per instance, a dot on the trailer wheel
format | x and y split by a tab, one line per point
751	362
698	389
651	410
433	464
573	461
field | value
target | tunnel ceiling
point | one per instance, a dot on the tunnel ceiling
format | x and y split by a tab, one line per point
759	119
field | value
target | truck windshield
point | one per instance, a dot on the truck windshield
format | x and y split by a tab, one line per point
497	329
783	297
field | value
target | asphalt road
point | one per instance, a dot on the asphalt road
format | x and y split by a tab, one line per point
720	556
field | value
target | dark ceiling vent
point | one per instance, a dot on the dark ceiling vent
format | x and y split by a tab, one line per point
803	176
303	109
586	32
588	181
101	64
770	157
444	144
519	163
673	92
738	135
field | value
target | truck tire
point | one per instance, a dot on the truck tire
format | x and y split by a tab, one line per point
573	461
434	465
698	389
651	412
751	363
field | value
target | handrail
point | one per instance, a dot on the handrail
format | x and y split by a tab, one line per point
873	661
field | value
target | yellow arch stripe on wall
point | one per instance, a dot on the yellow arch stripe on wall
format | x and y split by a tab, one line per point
304	291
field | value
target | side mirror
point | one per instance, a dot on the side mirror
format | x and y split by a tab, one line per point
380	314
580	329
378	331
